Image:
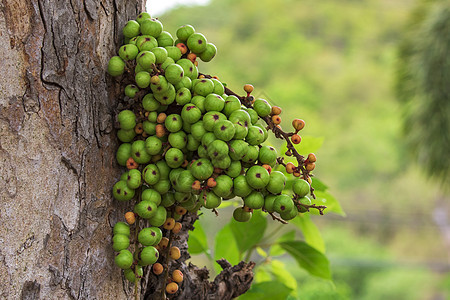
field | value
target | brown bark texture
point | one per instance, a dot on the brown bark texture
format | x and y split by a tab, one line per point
57	159
57	148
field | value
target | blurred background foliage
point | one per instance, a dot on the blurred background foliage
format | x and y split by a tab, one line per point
342	67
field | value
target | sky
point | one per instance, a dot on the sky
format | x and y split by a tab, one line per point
158	7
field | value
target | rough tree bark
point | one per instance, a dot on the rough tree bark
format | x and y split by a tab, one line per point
56	148
57	165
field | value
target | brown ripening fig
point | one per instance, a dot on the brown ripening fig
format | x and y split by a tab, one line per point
157	268
296	139
172	288
130	217
177	228
248	88
290	167
298	124
276	110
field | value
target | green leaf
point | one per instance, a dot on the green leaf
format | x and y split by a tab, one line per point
248	234
267	290
197	241
318	185
310	231
261	275
276	249
309	144
325	198
226	247
281	274
226	204
261	252
310	259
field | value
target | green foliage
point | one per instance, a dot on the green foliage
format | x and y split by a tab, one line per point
308	258
248	234
423	86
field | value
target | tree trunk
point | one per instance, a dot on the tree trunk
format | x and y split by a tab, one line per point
57	158
56	148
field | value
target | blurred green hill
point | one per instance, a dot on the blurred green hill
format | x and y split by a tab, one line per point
332	63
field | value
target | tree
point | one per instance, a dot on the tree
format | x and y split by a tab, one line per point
57	153
423	76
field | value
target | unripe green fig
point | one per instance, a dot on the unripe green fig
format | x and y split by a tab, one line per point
255	136
143	16
160	54
300	187
145	209
174	73
146	42
173	52
210	200
191	113
213	102
224	186
151	174
290	214
269	200
211	118
240	215
121	228
202	169
173	123
267	155
138	152
165	39
131	90
151	27
120	242
150	103
123	154
283	203
262	107
153	145
240	186
124	259
116	66
178	139
148	236
252	155
148	256
231	104
168	199
134	179
122	192
131	29
255	200
209	52
142	79
204	87
130	274
151	195
128	52
304	200
184	32
238	149
224	130
159	218
276	183
235	169
127	119
174	157
257	177
196	43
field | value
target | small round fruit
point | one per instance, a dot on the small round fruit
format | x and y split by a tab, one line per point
127	119
130	217
296	139
171	288
257	177
130	274
169	223
240	215
197	43
145	209
262	107
209	52
177	276
177	228
124	259
148	255
121	228
174	253
184	32
306	201
301	187
283	203
120	242
298	124
131	29
116	66
157	268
